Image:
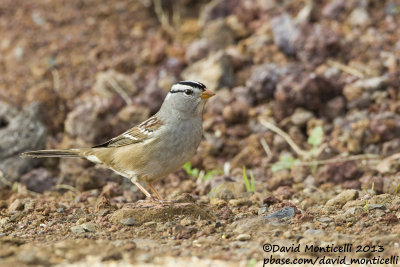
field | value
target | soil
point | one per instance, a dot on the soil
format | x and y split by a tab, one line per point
75	73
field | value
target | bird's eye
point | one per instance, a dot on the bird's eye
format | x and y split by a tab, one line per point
188	92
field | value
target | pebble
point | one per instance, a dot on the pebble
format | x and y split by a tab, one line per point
354	210
314	232
376	206
325	220
77	229
186	222
343	198
287	212
60	210
149	224
89	227
127	221
81	221
301	116
262	210
17	205
243	237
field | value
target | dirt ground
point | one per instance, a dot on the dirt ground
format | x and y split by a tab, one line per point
299	160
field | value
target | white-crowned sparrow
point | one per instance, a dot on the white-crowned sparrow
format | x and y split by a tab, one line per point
157	146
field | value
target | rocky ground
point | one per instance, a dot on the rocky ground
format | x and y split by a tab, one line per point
301	143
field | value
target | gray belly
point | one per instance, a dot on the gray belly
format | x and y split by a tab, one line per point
177	147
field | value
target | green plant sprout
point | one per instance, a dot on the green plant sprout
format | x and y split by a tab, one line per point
200	174
190	170
286	162
252	262
366	200
316	136
397	190
250	186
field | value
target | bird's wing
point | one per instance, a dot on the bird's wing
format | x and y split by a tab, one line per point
137	134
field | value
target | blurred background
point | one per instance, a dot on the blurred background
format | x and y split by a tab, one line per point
75	73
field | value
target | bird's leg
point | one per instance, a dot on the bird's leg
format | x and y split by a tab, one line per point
162	201
155	192
143	190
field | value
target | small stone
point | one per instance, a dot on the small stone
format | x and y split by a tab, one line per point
301	116
325	220
149	224
127	221
243	237
77	229
343	198
376	206
228	190
262	210
287	212
17	205
60	210
359	17
81	221
285	33
186	222
89	227
314	232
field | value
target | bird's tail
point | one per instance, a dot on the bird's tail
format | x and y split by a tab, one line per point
53	153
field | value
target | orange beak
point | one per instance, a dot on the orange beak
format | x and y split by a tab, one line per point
207	94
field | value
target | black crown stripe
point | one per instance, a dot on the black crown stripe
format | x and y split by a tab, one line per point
193	84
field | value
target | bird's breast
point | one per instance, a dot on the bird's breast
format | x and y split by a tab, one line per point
175	147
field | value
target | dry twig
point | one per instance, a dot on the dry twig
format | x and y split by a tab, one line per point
346	68
306	154
163	17
266	147
119	90
56	80
68	187
292	144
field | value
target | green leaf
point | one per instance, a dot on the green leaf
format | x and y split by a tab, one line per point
316	136
285	162
187	167
246	181
250	186
252	262
209	175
